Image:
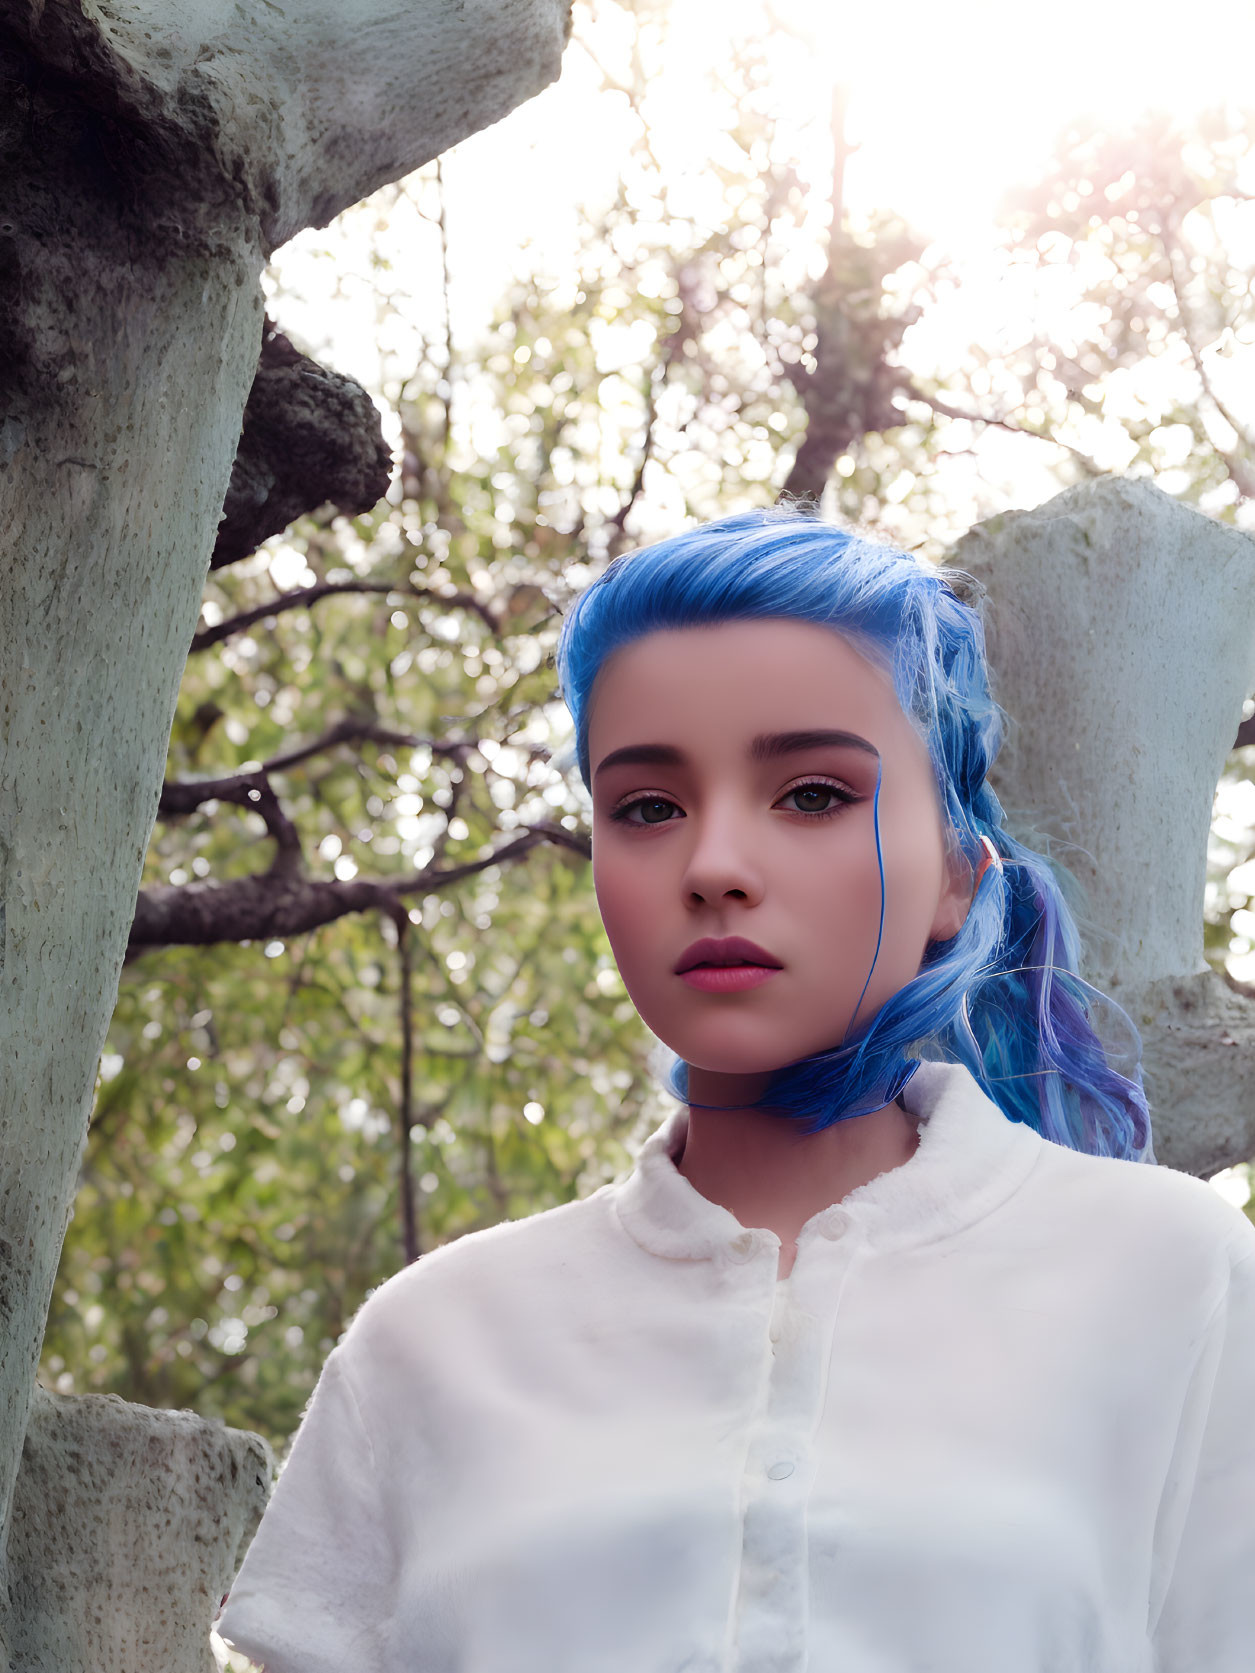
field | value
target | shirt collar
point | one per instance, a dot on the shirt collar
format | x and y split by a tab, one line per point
970	1159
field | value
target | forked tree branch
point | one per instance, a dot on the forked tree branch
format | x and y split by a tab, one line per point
269	906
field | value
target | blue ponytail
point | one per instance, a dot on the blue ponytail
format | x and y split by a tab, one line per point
1003	995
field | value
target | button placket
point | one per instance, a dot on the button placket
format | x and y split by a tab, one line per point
772	1609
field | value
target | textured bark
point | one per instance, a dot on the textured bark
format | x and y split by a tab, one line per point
111	1501
152	152
311	437
293	113
110	509
1121	628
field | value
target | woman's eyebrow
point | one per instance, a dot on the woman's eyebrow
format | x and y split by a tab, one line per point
766	746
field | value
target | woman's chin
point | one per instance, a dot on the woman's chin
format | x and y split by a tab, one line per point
729	1066
731	1046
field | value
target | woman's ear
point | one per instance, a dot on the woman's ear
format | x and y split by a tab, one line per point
956	895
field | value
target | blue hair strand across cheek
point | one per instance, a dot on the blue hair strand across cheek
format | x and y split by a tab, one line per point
880	862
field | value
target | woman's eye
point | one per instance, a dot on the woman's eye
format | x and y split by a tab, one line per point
831	794
832	797
650	804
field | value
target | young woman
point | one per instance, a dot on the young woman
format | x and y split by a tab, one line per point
890	1353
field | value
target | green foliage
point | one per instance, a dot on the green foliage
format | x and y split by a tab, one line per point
239	1190
238	1197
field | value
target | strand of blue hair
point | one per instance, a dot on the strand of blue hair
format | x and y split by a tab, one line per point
1004	995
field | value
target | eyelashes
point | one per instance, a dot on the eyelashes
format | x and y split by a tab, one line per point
842	798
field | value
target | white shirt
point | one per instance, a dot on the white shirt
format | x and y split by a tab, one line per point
1000	1418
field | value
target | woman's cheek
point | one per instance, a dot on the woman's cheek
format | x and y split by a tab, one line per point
622	909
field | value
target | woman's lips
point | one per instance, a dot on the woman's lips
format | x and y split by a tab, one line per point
727	978
725	949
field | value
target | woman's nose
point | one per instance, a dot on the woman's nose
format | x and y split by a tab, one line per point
722	861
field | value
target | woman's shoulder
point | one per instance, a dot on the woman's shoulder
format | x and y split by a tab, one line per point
1177	1215
498	1265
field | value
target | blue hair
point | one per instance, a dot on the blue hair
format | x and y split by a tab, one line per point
1003	995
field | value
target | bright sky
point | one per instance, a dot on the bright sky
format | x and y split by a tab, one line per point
954	104
949	106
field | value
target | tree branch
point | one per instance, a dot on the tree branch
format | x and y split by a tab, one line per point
179	797
303	597
657	377
1239	470
1086	463
254	791
850	392
405	1111
267	906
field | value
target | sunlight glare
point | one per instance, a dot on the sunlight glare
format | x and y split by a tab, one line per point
974	103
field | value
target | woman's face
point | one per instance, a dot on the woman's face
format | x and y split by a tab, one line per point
704	835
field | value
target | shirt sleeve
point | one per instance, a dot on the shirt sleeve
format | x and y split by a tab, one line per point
1204	1624
314	1593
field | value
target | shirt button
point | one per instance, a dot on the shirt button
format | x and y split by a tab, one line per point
778	1472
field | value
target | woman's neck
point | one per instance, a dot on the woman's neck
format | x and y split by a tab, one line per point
767	1173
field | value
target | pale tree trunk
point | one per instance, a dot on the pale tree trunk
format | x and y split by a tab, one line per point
152	153
127	1528
1121	630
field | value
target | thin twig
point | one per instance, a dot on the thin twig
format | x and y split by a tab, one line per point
302	597
405	1112
1239	470
1087	464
